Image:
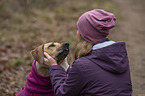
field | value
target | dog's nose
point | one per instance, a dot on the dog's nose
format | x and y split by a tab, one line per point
66	44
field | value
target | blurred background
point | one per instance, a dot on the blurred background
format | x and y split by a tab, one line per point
25	24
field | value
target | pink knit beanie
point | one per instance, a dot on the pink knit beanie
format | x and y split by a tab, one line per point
95	25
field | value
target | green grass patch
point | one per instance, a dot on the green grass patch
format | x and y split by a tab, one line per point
16	19
16	62
60	10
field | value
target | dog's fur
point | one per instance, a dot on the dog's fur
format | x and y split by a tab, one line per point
58	51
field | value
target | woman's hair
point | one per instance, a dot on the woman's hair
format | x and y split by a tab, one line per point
83	48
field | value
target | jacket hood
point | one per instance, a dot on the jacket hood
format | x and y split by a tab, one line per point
112	58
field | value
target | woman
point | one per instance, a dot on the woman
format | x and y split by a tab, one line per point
101	67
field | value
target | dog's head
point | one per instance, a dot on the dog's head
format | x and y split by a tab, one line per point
56	50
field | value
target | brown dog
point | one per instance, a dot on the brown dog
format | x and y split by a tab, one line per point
56	50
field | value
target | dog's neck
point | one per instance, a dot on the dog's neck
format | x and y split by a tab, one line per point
42	70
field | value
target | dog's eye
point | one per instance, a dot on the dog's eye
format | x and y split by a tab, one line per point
52	45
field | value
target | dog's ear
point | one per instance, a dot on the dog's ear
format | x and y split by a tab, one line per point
38	54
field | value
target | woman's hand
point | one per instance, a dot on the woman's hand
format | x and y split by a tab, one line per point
49	61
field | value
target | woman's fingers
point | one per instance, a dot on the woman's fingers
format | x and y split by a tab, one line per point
47	55
45	60
46	63
49	61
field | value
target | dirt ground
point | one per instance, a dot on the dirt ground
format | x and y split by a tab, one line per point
131	29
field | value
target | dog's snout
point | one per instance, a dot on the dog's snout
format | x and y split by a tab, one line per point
66	44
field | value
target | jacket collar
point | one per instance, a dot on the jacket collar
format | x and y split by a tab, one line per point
102	44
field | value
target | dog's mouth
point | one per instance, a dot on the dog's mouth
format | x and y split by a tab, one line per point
63	52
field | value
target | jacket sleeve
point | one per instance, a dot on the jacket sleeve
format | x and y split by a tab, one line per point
64	84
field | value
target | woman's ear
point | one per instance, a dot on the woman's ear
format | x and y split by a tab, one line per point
78	34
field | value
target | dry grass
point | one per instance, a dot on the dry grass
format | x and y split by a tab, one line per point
55	21
22	30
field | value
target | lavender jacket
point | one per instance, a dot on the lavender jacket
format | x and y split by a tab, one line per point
104	72
36	84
